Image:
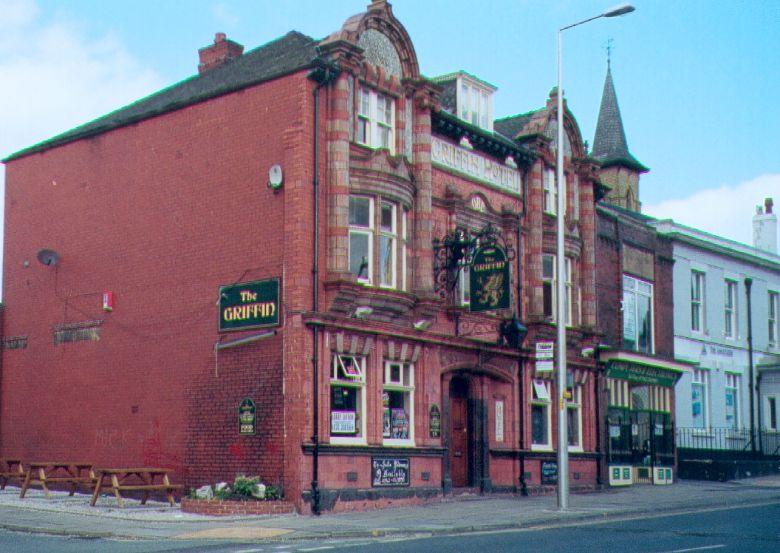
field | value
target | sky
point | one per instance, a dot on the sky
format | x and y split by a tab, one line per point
695	79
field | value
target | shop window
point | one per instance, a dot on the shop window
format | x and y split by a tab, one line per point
398	404
347	399
382	269
697	301
699	411
732	401
771	413
540	415
637	315
376	120
730	309
573	414
549	288
773	299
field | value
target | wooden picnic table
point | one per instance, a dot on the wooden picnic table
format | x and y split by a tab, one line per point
51	472
11	469
146	480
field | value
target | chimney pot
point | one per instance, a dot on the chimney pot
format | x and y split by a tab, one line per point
768	203
222	51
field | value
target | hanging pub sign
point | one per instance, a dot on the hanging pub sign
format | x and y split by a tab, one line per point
489	279
246	418
434	422
249	305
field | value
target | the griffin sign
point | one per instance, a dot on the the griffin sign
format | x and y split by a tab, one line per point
489	279
249	305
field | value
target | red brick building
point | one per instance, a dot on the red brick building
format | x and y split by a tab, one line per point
634	286
297	233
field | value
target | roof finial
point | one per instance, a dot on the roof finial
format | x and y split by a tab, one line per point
608	47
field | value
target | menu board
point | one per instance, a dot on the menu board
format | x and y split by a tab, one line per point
389	471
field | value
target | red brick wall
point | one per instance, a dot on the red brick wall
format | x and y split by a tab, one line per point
161	213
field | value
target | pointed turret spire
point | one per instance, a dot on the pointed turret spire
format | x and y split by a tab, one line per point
619	169
610	145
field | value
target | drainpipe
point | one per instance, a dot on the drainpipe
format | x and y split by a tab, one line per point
748	285
520	376
323	74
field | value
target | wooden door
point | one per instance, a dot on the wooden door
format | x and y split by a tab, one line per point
459	441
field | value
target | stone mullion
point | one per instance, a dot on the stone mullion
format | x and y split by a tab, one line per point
422	279
338	179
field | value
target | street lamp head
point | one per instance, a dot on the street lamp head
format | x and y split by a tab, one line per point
622	9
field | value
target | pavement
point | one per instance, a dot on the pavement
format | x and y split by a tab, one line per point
72	516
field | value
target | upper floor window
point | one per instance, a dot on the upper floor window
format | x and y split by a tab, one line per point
773	299
550	191
376	120
697	301
730	309
391	245
637	314
550	287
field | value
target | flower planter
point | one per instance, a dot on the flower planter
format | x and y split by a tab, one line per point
234	507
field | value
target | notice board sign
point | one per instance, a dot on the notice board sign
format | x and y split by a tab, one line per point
388	472
434	422
549	473
249	305
246	417
489	280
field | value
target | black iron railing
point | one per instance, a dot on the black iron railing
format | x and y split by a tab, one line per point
761	442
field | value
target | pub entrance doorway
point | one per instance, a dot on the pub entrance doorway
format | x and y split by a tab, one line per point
460	438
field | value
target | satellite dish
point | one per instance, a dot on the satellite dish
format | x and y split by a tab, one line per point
275	177
48	257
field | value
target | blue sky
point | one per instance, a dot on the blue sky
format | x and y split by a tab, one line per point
695	79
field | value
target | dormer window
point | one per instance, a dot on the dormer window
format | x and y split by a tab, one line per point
473	105
376	120
469	98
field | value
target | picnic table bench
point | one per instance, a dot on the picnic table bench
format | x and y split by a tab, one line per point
53	472
11	469
146	480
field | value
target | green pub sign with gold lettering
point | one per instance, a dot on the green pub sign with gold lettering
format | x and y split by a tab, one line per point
489	279
249	305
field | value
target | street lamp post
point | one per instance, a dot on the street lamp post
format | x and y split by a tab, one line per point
563	439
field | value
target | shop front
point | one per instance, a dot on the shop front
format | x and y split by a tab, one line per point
640	446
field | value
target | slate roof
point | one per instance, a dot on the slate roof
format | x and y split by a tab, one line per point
288	54
511	126
609	145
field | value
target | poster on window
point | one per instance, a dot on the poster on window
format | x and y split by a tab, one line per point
399	424
342	422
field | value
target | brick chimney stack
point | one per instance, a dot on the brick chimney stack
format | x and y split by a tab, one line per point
765	227
223	50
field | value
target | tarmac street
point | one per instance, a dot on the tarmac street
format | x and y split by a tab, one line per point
683	517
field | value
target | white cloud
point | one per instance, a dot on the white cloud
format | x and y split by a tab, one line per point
726	211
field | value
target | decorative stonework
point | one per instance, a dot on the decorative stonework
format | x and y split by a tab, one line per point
379	50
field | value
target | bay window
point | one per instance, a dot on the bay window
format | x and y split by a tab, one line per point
382	269
540	415
398	404
375	120
637	315
348	399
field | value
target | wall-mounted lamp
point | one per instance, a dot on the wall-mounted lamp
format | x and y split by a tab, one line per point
363	311
512	333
